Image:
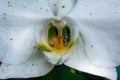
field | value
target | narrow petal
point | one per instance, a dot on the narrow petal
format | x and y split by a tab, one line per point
79	61
36	66
28	8
95	9
16	40
61	7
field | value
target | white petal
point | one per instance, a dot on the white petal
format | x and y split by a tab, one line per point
36	66
41	30
79	61
61	7
74	26
102	41
86	9
86	66
56	59
16	28
28	8
100	29
16	40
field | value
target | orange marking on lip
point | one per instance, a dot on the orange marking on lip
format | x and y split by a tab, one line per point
58	46
58	42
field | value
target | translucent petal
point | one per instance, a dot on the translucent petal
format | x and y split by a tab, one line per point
36	66
16	40
79	61
61	7
28	8
86	9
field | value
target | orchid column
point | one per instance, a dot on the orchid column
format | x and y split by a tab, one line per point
36	35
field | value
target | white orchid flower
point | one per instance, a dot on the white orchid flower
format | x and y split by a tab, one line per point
36	35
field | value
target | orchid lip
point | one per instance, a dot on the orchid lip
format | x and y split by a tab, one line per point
59	38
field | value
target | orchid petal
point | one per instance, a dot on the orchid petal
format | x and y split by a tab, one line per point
61	7
94	9
102	40
36	66
17	20
28	8
16	39
41	30
79	61
86	66
100	31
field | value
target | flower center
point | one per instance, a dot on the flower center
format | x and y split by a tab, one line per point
59	37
